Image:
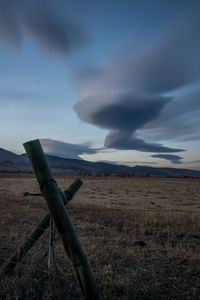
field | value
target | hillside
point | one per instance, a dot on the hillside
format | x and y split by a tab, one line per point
11	162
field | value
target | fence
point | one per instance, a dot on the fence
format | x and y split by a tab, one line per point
56	201
32	271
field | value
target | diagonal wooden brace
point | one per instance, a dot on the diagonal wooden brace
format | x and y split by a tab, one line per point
26	245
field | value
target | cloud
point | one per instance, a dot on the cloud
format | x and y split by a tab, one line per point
126	96
43	23
192	162
136	163
10	32
122	141
66	150
122	110
12	95
172	62
168	63
179	120
123	113
175	159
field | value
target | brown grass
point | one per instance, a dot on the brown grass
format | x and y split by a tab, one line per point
141	237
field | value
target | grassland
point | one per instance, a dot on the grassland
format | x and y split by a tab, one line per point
141	237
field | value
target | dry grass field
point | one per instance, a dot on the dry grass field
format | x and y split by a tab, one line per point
141	237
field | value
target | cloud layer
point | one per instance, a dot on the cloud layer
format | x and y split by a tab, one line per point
123	116
127	96
66	150
41	22
175	159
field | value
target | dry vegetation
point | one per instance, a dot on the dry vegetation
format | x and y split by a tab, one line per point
141	237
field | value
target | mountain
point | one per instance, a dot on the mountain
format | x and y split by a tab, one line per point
68	165
11	162
9	156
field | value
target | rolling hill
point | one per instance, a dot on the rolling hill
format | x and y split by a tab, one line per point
11	162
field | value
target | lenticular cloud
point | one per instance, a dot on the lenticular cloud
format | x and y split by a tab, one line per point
128	95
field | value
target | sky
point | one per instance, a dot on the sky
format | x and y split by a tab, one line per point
115	81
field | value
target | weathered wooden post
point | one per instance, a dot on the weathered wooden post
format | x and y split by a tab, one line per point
27	244
51	192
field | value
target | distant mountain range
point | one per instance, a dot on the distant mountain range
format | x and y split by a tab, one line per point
11	162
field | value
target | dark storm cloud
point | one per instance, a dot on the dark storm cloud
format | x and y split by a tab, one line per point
42	22
112	97
175	159
66	150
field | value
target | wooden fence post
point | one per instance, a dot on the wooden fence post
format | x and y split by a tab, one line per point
51	192
10	264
